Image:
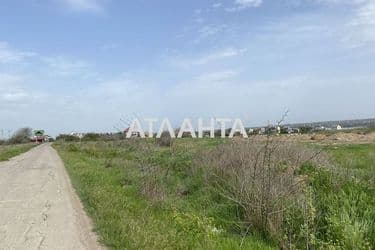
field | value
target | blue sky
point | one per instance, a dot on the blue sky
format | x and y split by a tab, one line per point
81	65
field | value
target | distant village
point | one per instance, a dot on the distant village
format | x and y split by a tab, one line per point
39	136
300	128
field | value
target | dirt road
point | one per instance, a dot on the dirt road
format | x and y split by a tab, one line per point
38	207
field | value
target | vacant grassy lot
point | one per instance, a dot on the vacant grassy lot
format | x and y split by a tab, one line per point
144	196
9	151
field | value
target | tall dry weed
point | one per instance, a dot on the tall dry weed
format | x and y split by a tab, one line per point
261	178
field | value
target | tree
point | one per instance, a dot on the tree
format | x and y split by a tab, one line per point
22	135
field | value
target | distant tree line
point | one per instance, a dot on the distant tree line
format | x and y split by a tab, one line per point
91	137
22	135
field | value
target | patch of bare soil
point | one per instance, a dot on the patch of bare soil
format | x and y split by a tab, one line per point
339	137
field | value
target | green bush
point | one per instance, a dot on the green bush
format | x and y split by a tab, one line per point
22	135
72	148
91	137
194	226
345	215
165	140
67	138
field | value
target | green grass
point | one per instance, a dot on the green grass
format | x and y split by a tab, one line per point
125	205
360	156
357	161
142	196
9	151
344	198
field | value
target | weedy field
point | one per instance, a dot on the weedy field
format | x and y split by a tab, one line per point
225	194
9	151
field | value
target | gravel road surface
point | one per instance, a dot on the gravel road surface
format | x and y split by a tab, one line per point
38	207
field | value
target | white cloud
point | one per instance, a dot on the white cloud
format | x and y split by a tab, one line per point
360	31
208	58
217	5
84	5
57	65
9	55
198	11
366	14
210	30
218	55
249	3
352	2
62	66
217	76
244	4
11	89
9	79
15	95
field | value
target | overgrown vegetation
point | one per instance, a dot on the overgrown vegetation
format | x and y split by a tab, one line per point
145	196
263	180
22	135
218	194
92	137
9	151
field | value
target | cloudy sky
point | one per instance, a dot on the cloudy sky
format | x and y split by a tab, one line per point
82	65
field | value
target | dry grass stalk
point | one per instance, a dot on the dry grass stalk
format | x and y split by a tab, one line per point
260	178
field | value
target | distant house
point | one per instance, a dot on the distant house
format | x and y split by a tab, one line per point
78	135
39	136
262	131
290	130
319	128
278	129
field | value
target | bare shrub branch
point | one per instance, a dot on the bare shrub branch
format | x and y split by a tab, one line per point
260	177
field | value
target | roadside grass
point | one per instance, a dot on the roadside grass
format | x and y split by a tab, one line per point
143	196
9	151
